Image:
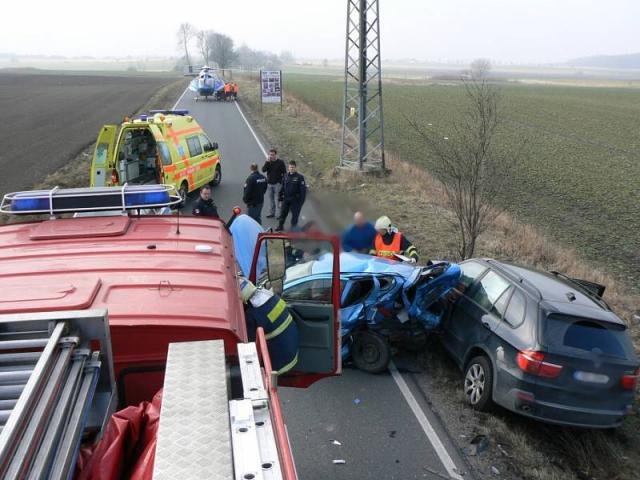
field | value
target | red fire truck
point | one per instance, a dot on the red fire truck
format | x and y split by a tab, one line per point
101	306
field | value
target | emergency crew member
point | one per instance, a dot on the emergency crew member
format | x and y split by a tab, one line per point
275	169
205	207
265	309
234	90
293	195
227	91
389	241
254	189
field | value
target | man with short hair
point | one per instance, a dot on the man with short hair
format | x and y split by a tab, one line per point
275	170
254	189
293	195
205	207
359	236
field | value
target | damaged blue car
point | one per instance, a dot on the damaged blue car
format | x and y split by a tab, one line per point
385	304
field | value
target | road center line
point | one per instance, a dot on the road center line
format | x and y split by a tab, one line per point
264	152
431	434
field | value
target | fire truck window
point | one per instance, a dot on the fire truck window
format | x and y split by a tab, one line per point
195	148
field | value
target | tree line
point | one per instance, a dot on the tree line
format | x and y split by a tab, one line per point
218	49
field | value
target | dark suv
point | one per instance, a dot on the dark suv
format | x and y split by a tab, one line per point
540	344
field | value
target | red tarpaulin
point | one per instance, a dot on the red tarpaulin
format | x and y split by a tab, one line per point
127	448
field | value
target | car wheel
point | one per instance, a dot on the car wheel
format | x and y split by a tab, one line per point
370	352
217	177
478	383
184	194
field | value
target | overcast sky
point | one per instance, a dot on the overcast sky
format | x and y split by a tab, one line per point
503	30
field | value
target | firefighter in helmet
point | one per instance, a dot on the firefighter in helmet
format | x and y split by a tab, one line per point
265	309
389	242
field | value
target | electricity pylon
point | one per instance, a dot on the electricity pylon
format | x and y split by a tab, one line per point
362	119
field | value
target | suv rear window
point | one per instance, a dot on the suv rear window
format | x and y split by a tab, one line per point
563	332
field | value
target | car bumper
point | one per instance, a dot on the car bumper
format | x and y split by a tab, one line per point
525	403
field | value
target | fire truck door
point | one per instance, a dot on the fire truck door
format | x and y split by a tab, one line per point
286	264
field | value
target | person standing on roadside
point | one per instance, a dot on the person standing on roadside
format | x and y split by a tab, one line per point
359	236
293	194
275	170
254	189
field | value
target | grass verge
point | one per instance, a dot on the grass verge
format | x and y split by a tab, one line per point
521	448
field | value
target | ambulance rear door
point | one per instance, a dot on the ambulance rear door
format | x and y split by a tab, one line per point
104	156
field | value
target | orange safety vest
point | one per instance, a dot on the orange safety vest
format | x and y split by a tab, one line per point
234	87
386	251
227	88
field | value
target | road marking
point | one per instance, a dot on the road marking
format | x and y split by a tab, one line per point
431	434
179	99
264	152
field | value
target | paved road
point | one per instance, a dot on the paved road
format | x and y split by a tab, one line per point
383	422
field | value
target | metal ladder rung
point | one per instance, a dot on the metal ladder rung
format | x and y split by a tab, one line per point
245	440
252	383
23	344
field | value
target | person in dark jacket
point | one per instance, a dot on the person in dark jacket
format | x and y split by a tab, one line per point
275	170
293	195
359	236
254	189
205	207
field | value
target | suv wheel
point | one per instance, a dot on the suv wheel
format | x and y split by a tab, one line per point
478	383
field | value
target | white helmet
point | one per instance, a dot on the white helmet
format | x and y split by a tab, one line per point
383	223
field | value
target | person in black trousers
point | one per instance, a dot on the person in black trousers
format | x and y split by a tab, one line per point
293	194
275	169
254	189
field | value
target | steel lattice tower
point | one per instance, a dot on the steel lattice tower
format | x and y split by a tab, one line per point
362	120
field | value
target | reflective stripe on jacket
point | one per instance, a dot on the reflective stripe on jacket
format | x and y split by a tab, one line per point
280	329
386	251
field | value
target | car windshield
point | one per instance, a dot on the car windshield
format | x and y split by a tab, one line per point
566	333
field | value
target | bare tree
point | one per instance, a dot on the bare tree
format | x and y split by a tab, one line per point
480	68
185	34
202	38
469	166
222	49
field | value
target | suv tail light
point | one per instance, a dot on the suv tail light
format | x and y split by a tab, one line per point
533	362
630	380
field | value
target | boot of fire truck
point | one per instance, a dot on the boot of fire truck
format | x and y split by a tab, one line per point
281	259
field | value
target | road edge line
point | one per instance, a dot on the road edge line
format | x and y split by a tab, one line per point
180	98
427	428
255	136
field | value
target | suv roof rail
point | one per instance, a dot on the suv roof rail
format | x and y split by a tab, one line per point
523	281
92	199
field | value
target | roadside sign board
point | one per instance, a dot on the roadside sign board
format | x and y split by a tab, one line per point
271	86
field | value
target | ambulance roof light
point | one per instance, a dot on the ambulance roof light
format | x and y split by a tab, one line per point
170	112
71	200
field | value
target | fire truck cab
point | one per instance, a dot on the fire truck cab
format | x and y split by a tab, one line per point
161	294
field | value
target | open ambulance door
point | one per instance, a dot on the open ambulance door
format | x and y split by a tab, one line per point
281	258
104	156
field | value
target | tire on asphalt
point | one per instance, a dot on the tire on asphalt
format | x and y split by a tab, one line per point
370	352
478	383
217	177
184	193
